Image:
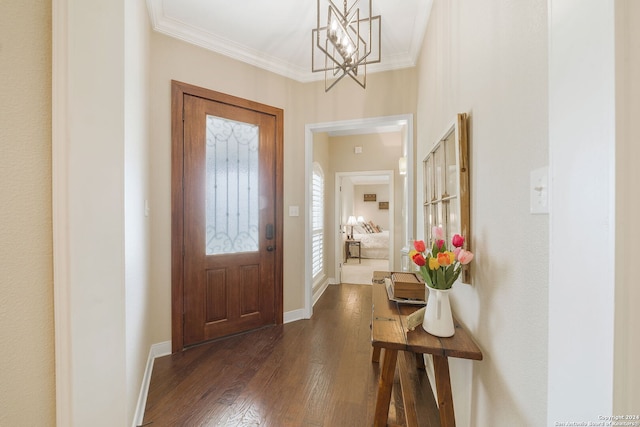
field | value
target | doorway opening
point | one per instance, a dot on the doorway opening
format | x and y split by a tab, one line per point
373	235
404	213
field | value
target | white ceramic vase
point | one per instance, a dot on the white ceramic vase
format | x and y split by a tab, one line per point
438	319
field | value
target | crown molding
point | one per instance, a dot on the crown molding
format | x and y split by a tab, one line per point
196	36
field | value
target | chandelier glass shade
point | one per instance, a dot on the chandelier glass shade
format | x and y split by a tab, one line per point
345	41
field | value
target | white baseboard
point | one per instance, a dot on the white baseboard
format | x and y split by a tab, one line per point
319	290
292	316
156	350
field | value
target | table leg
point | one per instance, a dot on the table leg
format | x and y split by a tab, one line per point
443	387
420	361
375	355
346	251
408	399
385	386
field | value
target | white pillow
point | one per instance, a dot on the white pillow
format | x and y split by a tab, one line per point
357	229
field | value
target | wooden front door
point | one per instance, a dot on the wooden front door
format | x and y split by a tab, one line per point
229	151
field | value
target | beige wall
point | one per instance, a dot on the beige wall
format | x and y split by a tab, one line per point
302	104
27	394
371	211
627	339
489	59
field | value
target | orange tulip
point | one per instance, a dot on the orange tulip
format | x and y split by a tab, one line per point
444	259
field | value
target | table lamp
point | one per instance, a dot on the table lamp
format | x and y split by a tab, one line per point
351	221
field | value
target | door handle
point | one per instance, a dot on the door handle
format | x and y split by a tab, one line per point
269	232
271	248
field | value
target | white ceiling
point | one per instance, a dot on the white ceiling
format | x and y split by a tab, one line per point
276	34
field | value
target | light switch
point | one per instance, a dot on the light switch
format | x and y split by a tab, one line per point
293	211
539	190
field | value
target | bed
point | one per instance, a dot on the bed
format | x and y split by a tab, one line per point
373	244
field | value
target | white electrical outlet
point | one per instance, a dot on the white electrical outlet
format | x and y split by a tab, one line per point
539	190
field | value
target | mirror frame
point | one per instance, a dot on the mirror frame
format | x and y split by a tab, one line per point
459	128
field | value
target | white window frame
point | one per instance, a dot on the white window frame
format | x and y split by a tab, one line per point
438	197
317	222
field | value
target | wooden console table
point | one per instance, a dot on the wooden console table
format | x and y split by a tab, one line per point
388	332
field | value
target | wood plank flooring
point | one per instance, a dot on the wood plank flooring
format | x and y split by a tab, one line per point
315	372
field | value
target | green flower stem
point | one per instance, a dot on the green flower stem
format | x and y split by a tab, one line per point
441	278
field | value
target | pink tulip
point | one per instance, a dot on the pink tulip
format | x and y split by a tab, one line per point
419	245
457	241
437	233
465	257
439	244
456	251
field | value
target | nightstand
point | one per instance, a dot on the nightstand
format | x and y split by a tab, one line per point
347	246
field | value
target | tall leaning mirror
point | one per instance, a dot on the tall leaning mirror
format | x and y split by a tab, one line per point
446	187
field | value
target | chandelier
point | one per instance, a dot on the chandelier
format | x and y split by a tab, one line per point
345	42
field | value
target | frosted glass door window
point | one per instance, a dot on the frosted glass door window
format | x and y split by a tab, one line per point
232	220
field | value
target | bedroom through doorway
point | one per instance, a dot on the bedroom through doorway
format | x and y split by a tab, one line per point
365	206
368	144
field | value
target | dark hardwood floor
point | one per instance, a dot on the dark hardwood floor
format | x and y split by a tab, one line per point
315	372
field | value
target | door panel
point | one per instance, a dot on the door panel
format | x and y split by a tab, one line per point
216	295
231	279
